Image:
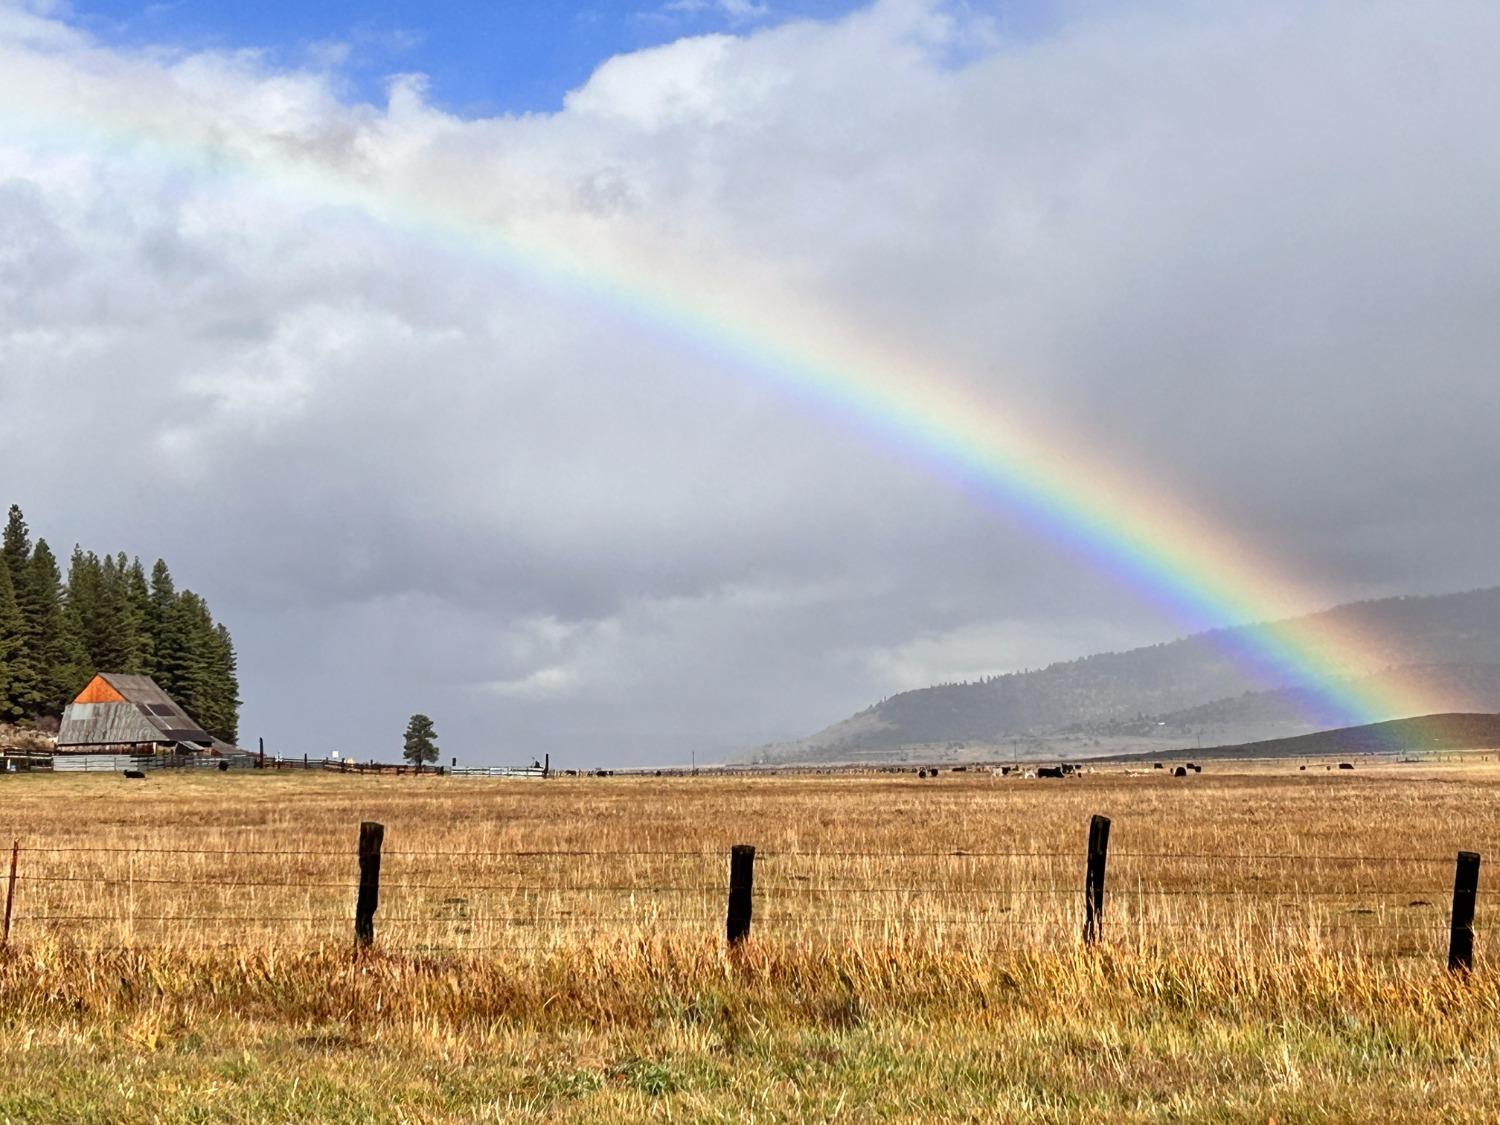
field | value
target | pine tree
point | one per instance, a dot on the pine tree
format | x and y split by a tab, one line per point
114	629
166	644
103	624
184	670
63	662
227	676
11	640
16	550
206	680
421	740
24	679
138	600
81	601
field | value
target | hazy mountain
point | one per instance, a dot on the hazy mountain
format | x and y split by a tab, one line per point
1178	693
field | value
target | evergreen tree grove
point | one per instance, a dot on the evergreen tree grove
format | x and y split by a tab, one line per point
110	616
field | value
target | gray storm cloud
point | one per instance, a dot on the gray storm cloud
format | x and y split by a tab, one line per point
1248	249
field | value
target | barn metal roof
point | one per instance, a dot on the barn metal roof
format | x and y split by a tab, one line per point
147	714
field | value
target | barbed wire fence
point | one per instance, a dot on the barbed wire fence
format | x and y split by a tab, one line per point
470	901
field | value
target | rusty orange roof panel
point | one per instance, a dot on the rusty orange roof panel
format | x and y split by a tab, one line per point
99	690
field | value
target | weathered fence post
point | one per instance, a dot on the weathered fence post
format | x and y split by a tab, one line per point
546	765
1461	932
741	888
10	891
370	837
261	742
1093	880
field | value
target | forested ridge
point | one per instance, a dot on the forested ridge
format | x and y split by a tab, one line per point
109	615
1440	650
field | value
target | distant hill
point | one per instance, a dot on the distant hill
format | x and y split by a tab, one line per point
1449	687
1184	690
1426	733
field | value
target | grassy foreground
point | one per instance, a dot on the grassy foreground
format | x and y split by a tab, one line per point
553	952
669	1032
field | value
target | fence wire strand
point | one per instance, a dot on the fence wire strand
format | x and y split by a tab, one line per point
794	898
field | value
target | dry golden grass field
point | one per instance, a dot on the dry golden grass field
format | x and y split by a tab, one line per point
1273	948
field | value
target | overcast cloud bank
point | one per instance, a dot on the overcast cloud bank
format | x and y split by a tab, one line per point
1249	248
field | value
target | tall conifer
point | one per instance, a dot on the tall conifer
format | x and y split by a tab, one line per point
138	618
226	686
12	637
62	659
166	644
24	664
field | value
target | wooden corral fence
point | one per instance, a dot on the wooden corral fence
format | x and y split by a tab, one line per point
95	895
26	761
345	765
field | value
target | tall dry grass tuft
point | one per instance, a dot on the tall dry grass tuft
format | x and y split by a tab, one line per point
641	983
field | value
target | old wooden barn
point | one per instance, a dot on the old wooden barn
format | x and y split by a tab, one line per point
125	714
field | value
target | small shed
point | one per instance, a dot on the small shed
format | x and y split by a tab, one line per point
128	714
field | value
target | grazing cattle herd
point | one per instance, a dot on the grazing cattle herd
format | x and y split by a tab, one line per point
1070	769
1060	771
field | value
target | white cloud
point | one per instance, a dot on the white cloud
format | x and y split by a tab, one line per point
677	84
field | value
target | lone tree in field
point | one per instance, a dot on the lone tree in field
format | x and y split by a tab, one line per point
421	740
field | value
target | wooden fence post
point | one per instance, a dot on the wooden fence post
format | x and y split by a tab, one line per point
370	837
1093	880
10	891
741	888
1461	931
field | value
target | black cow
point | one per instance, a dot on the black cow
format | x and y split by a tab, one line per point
1180	771
1049	771
135	775
1346	765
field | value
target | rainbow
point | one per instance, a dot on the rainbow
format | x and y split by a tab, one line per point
1120	522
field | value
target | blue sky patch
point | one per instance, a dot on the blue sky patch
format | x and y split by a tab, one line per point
482	58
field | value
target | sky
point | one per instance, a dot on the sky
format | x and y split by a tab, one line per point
1244	252
482	58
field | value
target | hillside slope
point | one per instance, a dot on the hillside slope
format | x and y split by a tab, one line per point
1425	733
1185	688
